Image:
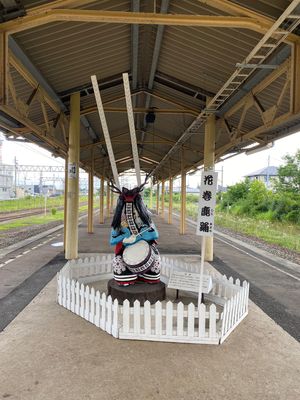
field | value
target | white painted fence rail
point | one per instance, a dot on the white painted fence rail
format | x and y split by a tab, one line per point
163	321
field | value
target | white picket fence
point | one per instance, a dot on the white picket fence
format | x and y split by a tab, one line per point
163	321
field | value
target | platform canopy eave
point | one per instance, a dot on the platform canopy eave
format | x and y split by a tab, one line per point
177	56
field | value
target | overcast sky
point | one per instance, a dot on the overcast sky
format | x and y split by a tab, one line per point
234	169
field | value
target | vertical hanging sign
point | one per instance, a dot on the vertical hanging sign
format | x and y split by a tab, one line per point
205	223
207	203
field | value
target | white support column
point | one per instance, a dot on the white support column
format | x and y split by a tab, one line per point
71	247
209	163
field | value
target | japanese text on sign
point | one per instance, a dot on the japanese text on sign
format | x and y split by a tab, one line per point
189	281
72	170
207	203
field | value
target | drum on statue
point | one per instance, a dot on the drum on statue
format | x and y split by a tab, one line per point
139	257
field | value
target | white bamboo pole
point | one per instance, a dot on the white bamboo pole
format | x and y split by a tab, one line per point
105	130
135	152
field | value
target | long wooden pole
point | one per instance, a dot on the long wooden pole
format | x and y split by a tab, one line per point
73	179
135	151
105	130
170	216
101	200
209	163
91	196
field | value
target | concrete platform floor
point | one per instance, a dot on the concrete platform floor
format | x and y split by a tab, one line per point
49	353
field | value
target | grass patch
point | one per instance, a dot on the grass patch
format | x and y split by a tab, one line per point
37	219
30	202
280	233
283	234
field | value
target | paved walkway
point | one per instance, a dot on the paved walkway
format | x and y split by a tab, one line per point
49	353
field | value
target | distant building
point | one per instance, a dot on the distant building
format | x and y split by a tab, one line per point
6	182
265	175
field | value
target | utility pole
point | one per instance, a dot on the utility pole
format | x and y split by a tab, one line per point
16	169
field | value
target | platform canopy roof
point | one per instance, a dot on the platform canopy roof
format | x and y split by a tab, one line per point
178	54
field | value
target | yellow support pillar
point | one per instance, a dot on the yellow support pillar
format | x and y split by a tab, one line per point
209	163
183	201
65	201
91	197
151	195
157	198
101	200
107	200
3	67
170	217
162	204
73	179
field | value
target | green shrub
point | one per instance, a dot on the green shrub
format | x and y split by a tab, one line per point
53	211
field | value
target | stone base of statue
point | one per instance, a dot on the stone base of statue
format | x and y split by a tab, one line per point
139	291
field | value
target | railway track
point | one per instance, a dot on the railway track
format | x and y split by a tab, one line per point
13	215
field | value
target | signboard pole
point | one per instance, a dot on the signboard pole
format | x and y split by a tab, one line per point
201	271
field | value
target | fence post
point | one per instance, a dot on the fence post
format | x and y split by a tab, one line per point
169	318
92	307
191	320
212	321
73	296
87	303
68	294
158	317
180	309
81	300
126	316
108	315
136	317
147	317
97	303
201	321
103	312
115	326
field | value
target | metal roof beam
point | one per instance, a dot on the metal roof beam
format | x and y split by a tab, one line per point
184	87
158	40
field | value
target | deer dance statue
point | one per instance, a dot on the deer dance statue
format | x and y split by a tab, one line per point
134	234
